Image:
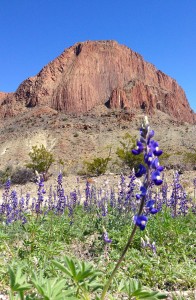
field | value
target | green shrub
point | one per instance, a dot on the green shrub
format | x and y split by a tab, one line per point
97	167
126	156
190	158
164	158
41	159
5	174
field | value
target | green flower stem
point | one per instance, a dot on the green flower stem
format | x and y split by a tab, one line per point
106	287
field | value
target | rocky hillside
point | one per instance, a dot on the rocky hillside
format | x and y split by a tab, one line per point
99	73
74	139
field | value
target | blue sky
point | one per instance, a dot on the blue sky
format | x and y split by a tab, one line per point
34	32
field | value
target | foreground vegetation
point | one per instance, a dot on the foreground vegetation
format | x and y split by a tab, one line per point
57	246
162	257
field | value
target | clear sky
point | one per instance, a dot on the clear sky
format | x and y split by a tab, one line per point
34	32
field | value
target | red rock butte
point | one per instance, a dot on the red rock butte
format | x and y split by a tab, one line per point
99	72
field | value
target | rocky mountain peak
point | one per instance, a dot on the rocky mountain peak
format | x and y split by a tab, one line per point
99	72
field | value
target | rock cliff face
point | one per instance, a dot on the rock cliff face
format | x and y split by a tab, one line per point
99	72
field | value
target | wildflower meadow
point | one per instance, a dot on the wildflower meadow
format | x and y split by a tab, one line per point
135	240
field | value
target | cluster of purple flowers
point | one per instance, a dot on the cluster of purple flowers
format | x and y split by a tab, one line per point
178	201
151	170
12	209
105	237
130	197
194	183
146	244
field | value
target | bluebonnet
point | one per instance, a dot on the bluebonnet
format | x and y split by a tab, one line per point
74	198
194	184
28	196
6	193
141	171
175	194
139	149
14	199
179	202
105	237
130	204
87	195
141	221
145	243
151	171
112	198
151	206
61	199
156	165
154	147
183	203
164	192
156	177
22	203
40	194
121	192
104	209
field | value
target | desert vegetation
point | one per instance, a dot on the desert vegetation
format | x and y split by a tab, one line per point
134	240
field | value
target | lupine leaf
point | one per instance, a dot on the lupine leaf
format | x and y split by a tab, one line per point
84	275
71	266
62	268
24	287
95	286
12	277
38	287
161	296
68	265
95	276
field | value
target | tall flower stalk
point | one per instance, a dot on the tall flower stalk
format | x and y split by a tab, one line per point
151	172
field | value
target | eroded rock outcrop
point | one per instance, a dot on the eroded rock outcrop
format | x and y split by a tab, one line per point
97	72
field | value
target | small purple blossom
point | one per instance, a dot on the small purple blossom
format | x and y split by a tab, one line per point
141	171
151	206
156	177
141	221
106	238
148	158
154	146
143	190
139	149
150	135
156	165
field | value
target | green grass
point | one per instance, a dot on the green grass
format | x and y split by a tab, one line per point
35	244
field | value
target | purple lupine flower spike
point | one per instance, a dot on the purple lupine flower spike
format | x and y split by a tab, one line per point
151	171
105	237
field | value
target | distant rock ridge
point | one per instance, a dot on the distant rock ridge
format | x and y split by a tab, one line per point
99	72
